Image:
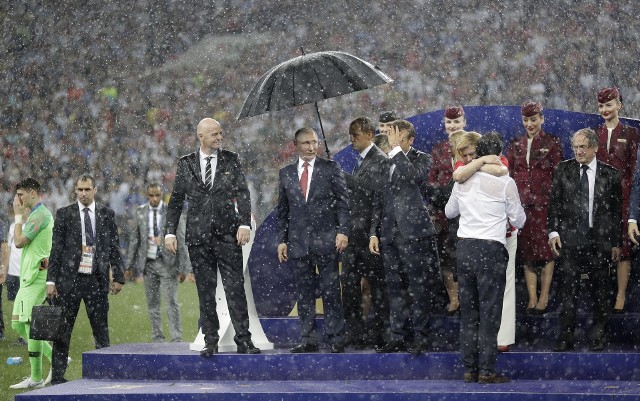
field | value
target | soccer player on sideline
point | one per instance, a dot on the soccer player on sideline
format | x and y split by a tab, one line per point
35	240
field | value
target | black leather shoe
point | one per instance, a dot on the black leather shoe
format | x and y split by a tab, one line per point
596	345
493	378
618	311
391	346
562	346
337	349
209	350
471	377
419	347
247	347
304	348
58	381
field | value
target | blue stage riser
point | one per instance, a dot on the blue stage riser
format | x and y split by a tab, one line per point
92	390
135	362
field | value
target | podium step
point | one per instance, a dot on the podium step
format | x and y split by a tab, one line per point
374	390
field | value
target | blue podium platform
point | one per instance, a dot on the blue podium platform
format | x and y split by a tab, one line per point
170	371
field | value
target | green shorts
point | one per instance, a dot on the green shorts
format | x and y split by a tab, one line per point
27	298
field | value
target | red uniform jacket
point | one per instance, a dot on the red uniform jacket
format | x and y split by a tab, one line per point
534	180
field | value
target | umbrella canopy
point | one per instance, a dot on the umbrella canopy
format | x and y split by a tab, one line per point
308	79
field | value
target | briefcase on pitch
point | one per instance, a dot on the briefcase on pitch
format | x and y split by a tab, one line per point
46	322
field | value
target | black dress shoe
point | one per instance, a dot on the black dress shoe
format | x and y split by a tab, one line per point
471	377
493	378
337	349
538	312
209	350
531	311
391	346
596	345
304	348
618	311
562	346
419	347
454	312
247	347
58	381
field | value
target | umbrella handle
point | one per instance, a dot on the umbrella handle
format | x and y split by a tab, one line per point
324	138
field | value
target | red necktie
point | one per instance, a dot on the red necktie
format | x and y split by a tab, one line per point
304	178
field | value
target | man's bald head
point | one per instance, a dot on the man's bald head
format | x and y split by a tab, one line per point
210	135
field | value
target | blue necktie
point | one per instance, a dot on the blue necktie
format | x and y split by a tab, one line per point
358	164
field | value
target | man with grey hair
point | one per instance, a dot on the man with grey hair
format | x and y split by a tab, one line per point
585	216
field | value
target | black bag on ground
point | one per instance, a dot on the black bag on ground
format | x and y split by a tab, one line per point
46	322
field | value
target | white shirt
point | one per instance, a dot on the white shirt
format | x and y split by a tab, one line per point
203	165
15	253
485	203
591	176
158	218
309	169
363	154
92	215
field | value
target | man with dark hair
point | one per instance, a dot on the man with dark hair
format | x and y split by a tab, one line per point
34	238
482	260
85	254
585	216
402	231
420	160
313	226
357	262
162	270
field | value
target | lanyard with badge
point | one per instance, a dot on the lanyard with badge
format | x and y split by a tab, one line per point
88	247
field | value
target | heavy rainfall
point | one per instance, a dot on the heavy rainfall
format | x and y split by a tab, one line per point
118	89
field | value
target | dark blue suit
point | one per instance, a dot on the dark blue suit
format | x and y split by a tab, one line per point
309	229
407	236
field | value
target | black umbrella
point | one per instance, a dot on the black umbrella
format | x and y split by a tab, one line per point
308	79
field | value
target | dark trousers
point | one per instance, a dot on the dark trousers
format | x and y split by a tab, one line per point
206	261
358	262
1	318
88	289
412	273
305	276
574	262
482	267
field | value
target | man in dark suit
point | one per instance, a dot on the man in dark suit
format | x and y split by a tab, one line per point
402	231
162	270
357	262
585	216
420	160
218	224
312	228
85	248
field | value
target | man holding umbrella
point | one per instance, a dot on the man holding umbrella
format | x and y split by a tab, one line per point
313	225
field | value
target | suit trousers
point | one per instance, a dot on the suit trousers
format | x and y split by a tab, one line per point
358	262
305	276
158	281
206	261
88	289
596	263
482	266
413	273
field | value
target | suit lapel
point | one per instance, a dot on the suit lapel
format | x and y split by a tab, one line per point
76	224
598	188
144	219
221	164
193	162
315	174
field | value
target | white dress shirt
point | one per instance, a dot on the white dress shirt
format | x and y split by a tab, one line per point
310	170
92	215
203	165
485	203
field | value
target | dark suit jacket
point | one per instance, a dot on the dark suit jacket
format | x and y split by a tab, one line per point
422	162
138	242
534	180
312	226
607	205
634	202
362	188
401	203
67	249
218	211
